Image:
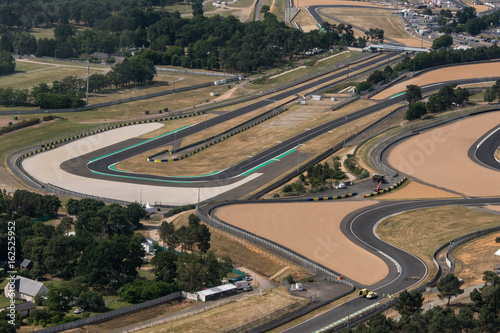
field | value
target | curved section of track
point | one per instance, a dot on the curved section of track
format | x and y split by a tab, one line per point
484	151
100	168
405	269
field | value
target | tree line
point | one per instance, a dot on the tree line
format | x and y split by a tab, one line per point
480	315
68	92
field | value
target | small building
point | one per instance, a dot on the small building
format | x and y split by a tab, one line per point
216	292
26	265
25	308
25	288
148	245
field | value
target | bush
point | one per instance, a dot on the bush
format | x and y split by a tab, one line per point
363	85
287	188
48	118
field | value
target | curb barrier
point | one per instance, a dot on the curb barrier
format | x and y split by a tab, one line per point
387	189
343	196
53	144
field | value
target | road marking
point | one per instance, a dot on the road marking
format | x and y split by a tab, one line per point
267	162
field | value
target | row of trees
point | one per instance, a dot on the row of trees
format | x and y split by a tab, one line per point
444	99
187	236
480	315
68	92
467	20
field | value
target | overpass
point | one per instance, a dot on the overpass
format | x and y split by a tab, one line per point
390	47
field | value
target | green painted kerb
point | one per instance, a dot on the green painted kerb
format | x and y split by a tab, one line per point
268	162
113	167
140	143
394	96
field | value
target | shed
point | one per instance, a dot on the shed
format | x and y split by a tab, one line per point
25	308
216	292
26	264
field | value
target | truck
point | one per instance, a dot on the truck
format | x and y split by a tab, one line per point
367	294
377	177
242	284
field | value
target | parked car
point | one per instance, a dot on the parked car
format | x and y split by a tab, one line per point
78	311
248	278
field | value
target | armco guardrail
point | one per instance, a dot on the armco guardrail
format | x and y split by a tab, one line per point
221	137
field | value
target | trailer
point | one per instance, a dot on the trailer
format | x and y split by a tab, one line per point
220	82
242	284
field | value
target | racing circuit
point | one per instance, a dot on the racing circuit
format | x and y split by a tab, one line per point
93	166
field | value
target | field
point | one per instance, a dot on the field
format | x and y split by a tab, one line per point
366	18
223	318
423	231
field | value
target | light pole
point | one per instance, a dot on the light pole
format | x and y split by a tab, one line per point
298	155
175	139
141	196
174	85
206	115
345	129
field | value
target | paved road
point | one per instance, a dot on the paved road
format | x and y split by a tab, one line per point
484	150
359	228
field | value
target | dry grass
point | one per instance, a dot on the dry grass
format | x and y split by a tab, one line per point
28	80
422	231
137	317
475	257
371	18
231	315
241	146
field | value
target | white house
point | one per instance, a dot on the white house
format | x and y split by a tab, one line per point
148	245
25	288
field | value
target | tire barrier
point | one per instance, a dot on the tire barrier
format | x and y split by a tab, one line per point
216	141
37	151
126	124
343	196
387	189
346	319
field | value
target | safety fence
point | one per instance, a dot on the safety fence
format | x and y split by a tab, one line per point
110	314
53	144
352	100
343	196
385	190
456	64
221	137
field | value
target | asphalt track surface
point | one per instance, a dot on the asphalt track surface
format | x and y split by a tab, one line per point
100	168
359	228
484	150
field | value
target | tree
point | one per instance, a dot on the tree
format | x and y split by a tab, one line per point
448	287
408	304
7	64
413	93
442	42
165	265
168	235
461	95
91	301
58	300
489	95
416	111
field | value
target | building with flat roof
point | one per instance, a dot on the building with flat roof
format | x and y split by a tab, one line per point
216	292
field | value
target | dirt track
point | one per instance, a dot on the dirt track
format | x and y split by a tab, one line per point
439	157
313	230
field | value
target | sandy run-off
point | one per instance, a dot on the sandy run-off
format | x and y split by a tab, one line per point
445	74
45	168
439	157
312	229
415	190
